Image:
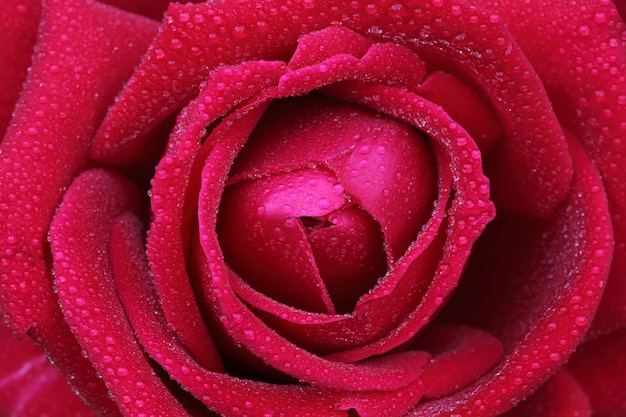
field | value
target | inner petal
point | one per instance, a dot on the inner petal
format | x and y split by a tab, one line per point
264	242
322	201
348	249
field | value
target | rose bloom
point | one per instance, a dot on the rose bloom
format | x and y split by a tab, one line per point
313	208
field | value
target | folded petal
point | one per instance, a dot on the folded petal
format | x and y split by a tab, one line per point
30	385
84	281
599	367
535	285
533	157
45	146
561	396
20	21
579	61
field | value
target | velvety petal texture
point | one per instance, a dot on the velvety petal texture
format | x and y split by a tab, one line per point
314	208
30	385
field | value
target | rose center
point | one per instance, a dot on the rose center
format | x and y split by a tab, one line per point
322	201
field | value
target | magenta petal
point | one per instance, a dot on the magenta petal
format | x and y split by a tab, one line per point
574	250
561	396
84	280
30	386
316	47
51	131
20	20
257	399
397	293
594	57
388	373
465	106
173	204
265	243
461	355
599	366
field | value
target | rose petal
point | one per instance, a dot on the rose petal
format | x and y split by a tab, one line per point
173	203
599	367
171	169
319	46
399	293
20	21
469	211
265	243
52	99
461	355
561	396
30	386
258	399
547	279
87	294
593	33
533	157
465	106
389	373
37	165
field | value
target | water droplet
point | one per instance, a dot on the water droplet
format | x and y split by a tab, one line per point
240	32
600	17
323	203
371	8
581	320
397	11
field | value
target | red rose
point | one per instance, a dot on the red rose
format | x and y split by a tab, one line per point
313	208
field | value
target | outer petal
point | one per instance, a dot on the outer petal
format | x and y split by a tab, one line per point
534	154
20	20
44	148
535	285
253	398
47	142
173	199
87	294
600	368
561	396
30	386
582	62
